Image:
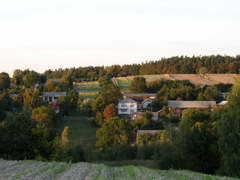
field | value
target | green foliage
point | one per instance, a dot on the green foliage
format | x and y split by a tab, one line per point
197	130
44	115
5	101
16	139
30	79
210	93
4	81
138	85
69	103
51	86
229	134
31	98
115	131
174	65
108	94
161	137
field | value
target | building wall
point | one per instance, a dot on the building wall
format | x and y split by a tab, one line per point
127	108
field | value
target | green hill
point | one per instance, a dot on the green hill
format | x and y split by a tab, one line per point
90	89
31	170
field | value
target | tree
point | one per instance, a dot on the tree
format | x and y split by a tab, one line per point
51	85
31	98
65	142
18	77
115	131
4	81
229	134
16	138
5	101
44	115
108	94
211	93
196	130
138	85
110	112
202	70
30	79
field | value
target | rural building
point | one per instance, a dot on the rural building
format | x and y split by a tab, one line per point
192	104
140	96
52	97
127	106
179	106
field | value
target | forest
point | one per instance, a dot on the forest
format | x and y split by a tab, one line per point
174	65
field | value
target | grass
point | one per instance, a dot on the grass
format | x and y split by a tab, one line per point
81	131
62	171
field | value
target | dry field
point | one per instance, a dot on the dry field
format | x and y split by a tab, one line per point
31	170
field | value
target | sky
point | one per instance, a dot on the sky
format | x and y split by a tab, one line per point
50	34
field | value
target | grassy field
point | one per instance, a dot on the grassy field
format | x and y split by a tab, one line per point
31	170
90	89
81	131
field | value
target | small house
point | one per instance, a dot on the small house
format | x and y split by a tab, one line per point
52	97
127	106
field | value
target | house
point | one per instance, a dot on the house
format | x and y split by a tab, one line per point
127	106
52	97
179	106
139	115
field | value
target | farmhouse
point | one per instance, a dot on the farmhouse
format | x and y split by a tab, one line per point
127	106
52	97
133	103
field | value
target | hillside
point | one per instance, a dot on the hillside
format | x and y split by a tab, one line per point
89	89
30	170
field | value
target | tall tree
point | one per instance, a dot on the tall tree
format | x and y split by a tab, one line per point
4	81
229	133
115	131
138	85
110	111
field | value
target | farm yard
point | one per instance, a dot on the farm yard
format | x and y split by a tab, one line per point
31	170
90	89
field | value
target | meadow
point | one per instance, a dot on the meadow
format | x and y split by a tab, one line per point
82	133
31	170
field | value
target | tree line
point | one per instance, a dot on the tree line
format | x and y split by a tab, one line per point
174	65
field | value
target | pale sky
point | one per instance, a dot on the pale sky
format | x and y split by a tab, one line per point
44	34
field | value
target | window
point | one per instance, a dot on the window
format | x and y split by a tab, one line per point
132	105
123	110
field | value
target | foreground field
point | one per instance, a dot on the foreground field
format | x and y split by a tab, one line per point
30	170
